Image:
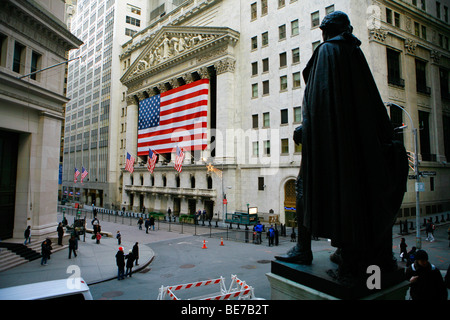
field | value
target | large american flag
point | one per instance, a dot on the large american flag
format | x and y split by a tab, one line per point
75	175
179	160
151	161
84	173
177	117
129	166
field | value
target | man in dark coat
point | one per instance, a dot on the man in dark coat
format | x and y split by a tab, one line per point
353	174
120	261
425	279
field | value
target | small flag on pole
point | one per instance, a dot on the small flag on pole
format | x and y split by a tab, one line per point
129	166
151	161
84	173
75	176
179	159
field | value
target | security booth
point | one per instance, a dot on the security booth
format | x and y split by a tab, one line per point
242	218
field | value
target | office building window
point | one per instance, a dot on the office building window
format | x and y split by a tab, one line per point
19	58
283	83
254	68
284	116
294	28
329	9
296	80
254	11
133	21
315	19
266	87
282	32
424	135
265	63
35	65
264	7
297	114
388	15
255	90
267	148
265	39
394	71
421	77
266	120
295	55
255	149
254	43
283	59
261	184
284	146
423	5
255	121
397	19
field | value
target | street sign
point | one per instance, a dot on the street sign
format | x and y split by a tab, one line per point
420	187
428	173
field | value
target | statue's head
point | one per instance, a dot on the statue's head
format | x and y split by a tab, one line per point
335	24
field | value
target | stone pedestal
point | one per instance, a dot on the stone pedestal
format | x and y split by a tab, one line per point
290	281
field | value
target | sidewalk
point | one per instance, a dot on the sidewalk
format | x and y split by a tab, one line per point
95	262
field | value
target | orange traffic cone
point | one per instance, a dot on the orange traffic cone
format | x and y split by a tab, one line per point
204	245
221	241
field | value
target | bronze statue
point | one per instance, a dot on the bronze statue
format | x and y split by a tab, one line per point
353	173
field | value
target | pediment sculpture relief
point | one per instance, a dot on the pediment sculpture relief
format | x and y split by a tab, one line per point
169	47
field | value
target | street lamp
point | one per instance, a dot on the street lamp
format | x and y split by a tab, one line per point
416	173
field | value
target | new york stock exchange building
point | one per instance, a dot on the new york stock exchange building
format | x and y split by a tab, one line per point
190	77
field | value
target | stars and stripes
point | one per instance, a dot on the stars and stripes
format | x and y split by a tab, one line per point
75	175
84	173
179	160
129	166
177	117
151	160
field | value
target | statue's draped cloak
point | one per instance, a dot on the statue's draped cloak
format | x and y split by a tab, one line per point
354	173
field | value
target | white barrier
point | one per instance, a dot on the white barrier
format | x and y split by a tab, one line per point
238	289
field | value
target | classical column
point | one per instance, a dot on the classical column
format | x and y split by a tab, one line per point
225	124
42	186
132	124
436	103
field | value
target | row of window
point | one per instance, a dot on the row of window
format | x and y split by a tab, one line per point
423	6
20	53
296	84
315	17
284	118
394	18
395	74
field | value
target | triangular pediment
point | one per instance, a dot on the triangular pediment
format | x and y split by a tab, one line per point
170	44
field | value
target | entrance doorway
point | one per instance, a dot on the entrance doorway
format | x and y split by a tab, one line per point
290	203
8	173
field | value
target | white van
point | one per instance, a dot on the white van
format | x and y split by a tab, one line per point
66	289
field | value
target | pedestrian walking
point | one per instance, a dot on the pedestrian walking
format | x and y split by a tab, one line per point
72	246
152	222
120	262
119	238
147	224
430	230
426	282
130	261
403	251
271	235
140	222
60	231
46	250
98	236
27	235
258	229
136	252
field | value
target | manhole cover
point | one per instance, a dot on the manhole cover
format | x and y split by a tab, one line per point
187	266
263	261
248	267
112	294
